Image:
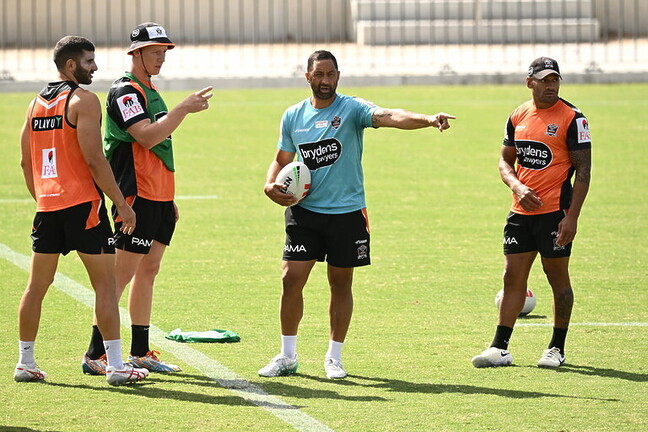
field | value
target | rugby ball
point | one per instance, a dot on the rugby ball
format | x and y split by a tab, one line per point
295	179
529	302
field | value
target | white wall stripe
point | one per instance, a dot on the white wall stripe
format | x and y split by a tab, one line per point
207	366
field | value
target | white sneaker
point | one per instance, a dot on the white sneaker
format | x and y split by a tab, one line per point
281	365
26	373
551	358
492	357
334	369
127	374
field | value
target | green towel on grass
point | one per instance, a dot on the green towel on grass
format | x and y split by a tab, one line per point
214	335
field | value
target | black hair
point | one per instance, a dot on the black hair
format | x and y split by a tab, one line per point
320	55
71	47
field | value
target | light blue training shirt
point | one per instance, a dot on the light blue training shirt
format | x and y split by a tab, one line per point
329	142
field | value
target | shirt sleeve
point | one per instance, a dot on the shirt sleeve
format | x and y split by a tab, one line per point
128	106
578	133
509	133
364	112
285	138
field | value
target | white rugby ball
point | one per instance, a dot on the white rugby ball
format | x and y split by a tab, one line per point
296	179
529	302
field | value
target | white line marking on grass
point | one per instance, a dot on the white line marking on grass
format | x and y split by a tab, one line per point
16	200
593	324
208	366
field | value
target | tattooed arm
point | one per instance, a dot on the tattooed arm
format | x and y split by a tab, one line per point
582	161
402	119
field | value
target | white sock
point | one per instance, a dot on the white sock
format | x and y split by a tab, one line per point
113	353
335	350
26	353
289	346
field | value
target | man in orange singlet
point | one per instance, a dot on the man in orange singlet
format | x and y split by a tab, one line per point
547	141
138	144
65	171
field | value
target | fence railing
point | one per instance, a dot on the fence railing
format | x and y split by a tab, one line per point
248	38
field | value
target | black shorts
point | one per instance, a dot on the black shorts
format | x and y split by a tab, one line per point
84	227
340	239
529	233
155	221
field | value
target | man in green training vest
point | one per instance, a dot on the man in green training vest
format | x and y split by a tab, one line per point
138	144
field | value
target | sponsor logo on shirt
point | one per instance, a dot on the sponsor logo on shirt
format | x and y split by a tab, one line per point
552	129
533	155
321	153
129	106
48	169
47	123
583	130
321	124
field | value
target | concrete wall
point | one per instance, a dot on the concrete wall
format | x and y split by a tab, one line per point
41	22
38	23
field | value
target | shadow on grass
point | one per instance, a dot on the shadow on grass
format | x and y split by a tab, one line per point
601	372
22	429
148	389
393	385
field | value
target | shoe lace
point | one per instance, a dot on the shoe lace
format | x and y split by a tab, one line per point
153	355
552	353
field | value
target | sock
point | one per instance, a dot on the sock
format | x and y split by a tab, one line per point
140	342
26	353
96	348
502	337
113	353
289	346
335	350
558	339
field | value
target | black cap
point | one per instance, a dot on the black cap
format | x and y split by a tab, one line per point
149	34
543	66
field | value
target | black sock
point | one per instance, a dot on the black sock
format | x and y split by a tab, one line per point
96	348
502	337
140	342
558	339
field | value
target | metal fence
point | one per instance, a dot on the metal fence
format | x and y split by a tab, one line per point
272	38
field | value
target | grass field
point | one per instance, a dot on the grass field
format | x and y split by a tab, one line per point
422	309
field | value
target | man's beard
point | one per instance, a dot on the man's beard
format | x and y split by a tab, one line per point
82	75
318	94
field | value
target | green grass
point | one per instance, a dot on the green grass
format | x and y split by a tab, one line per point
422	309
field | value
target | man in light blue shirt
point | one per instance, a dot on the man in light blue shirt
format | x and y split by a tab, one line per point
326	131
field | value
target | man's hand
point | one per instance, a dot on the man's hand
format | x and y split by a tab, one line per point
273	191
127	216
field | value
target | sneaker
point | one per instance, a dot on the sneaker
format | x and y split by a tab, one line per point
94	367
551	358
26	373
280	366
492	357
151	362
334	369
126	374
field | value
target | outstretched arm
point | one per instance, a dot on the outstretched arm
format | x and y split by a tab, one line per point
149	134
402	119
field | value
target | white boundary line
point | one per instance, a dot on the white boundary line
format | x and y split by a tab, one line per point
591	324
207	366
